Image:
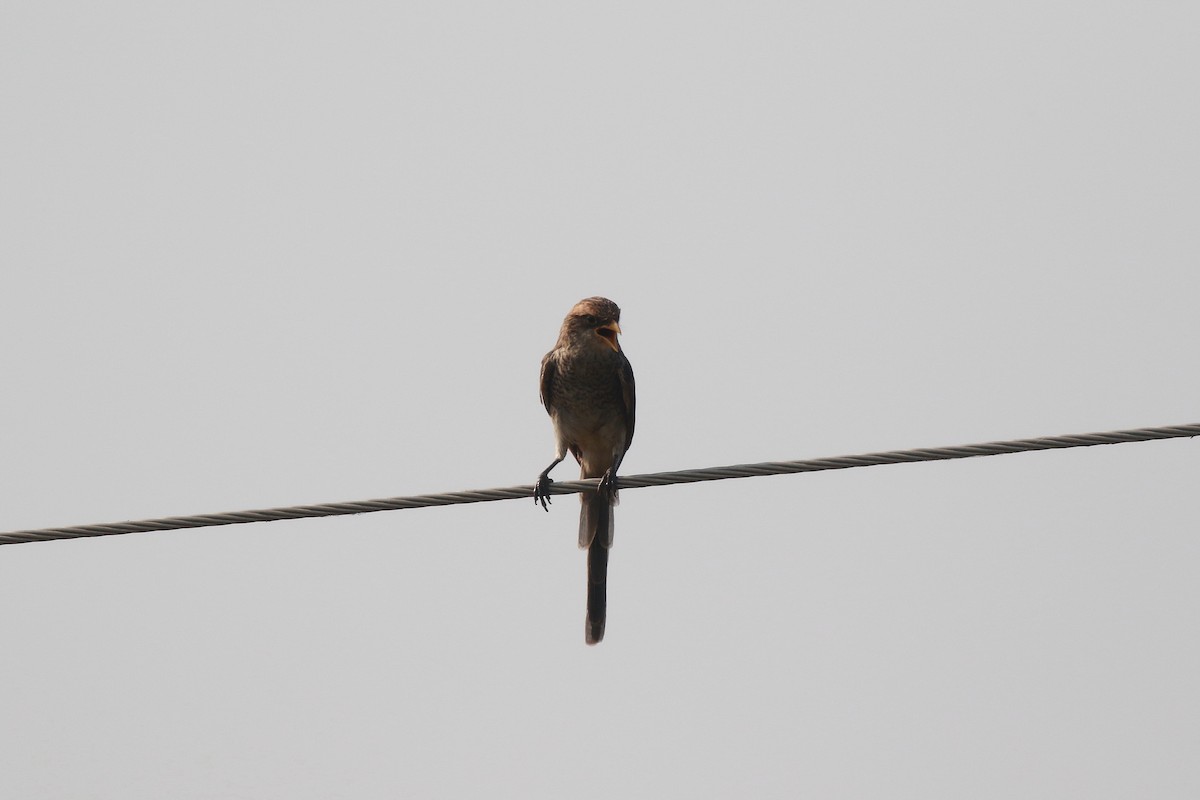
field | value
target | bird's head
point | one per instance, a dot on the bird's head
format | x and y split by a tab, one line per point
594	322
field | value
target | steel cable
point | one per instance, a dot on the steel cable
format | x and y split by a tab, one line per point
626	482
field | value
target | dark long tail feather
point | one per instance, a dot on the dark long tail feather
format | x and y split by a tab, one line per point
595	533
597	593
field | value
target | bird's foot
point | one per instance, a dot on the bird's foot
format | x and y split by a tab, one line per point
608	486
541	491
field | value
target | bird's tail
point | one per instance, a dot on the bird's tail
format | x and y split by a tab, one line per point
596	534
597	592
595	519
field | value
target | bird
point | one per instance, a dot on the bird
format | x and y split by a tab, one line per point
587	388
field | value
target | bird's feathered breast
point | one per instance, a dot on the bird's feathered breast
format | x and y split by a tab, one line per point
583	387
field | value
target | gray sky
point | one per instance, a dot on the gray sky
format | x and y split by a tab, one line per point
257	254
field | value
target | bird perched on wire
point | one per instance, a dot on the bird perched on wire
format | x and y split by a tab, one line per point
587	388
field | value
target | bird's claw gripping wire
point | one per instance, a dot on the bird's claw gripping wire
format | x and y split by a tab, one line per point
608	485
541	491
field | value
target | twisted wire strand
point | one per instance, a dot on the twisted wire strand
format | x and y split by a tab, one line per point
626	482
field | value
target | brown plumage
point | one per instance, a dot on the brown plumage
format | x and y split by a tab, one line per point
587	388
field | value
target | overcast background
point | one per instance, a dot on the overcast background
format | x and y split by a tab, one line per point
261	254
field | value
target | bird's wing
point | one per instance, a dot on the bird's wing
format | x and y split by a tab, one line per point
549	370
628	398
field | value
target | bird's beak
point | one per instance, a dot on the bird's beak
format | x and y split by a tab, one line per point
608	331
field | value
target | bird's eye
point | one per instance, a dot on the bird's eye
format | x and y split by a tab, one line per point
591	320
